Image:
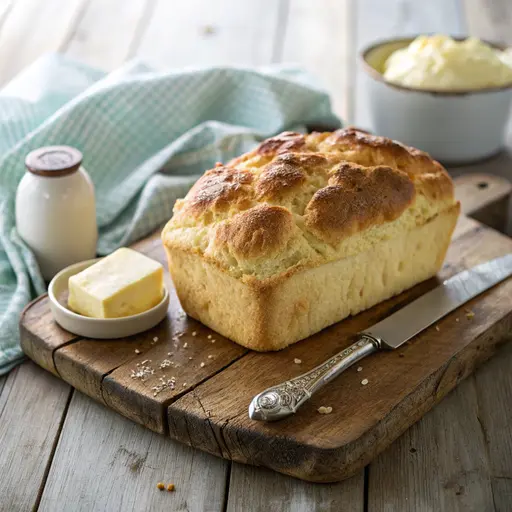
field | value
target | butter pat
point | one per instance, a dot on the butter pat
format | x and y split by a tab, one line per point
124	283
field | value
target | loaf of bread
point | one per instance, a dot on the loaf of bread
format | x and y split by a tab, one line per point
306	230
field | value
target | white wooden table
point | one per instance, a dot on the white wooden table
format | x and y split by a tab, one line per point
60	451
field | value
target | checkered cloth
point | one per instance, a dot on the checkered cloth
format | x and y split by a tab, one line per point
145	137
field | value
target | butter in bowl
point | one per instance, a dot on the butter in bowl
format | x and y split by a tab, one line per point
447	96
113	297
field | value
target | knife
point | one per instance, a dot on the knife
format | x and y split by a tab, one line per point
283	400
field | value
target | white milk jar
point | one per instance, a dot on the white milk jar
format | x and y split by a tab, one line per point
55	209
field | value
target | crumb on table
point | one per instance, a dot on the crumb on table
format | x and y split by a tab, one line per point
160	486
297	360
171	487
359	368
324	410
364	382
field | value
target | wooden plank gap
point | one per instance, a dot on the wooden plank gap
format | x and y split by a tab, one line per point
366	488
141	28
67	343
226	487
280	33
52	451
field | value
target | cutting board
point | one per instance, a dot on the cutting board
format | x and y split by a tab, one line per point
216	379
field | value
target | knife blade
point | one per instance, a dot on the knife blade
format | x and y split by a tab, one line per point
284	399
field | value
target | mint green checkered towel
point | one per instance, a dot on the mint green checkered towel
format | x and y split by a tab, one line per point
145	136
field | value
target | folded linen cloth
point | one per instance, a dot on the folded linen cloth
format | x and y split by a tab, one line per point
145	135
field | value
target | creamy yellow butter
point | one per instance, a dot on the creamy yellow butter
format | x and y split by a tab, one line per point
124	283
440	62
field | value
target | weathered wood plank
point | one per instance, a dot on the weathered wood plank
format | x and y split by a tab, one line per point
261	490
32	409
395	18
36	325
32	28
100	41
208	33
438	464
317	36
105	462
494	412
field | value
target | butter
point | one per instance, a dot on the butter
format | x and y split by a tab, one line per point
124	283
439	62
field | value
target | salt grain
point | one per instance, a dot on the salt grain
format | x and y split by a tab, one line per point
164	384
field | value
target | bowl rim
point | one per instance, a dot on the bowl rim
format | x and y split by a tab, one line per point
370	70
82	318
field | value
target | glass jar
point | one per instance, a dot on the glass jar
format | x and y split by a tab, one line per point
55	209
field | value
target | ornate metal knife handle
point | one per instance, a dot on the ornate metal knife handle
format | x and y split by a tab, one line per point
281	401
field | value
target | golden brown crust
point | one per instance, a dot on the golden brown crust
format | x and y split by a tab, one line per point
303	200
358	197
282	143
287	173
262	230
218	190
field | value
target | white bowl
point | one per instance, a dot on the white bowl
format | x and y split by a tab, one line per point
100	328
453	126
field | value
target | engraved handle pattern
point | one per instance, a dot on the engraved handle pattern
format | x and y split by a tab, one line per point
281	401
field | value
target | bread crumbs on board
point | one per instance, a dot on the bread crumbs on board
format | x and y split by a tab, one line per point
324	410
364	382
297	360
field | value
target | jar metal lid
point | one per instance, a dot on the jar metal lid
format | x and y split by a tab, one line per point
53	161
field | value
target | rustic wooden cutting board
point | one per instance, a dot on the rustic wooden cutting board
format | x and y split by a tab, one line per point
216	379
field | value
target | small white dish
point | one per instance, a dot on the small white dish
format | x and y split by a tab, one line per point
455	127
100	328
